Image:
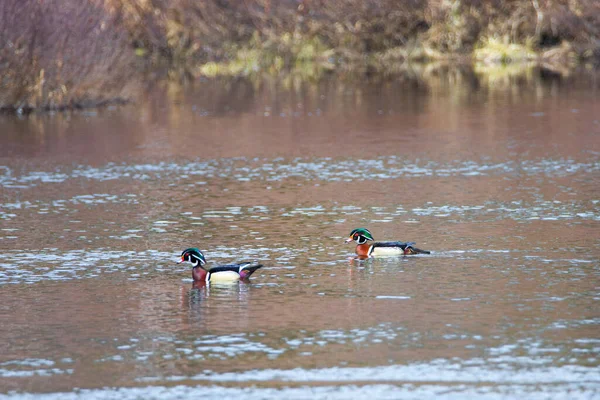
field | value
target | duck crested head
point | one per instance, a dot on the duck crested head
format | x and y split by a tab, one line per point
194	256
360	236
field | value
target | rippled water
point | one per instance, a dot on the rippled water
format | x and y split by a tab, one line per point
500	184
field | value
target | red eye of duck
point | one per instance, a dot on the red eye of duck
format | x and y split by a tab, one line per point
355	236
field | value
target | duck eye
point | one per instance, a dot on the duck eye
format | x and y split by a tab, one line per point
355	236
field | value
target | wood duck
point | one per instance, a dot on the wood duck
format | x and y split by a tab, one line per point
217	273
367	247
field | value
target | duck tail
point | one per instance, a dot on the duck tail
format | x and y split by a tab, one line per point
248	270
415	250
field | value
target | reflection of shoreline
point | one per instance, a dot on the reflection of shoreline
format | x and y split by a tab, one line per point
111	43
429	98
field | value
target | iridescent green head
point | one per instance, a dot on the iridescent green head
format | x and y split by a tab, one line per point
360	236
194	256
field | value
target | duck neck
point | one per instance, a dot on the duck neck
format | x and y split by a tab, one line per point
363	249
198	274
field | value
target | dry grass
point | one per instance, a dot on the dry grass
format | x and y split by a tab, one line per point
186	31
55	57
81	53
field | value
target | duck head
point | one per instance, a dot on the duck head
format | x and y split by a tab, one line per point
360	236
194	256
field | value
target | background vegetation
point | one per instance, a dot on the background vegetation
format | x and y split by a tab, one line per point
54	56
63	54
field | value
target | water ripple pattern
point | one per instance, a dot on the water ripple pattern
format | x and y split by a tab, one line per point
326	169
35	367
547	210
52	264
570	391
10	210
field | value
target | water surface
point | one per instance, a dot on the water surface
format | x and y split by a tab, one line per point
498	179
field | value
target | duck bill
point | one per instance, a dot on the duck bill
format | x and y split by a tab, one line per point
348	240
180	261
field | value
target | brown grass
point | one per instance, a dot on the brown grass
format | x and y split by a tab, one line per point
61	56
70	53
185	31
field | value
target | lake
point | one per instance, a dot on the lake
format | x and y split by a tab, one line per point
499	177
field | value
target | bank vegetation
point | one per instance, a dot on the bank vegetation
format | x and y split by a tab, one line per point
71	54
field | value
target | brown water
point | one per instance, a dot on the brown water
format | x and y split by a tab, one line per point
499	179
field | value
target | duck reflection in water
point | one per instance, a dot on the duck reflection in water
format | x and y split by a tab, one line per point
217	290
216	302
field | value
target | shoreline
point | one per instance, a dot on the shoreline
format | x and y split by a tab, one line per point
54	62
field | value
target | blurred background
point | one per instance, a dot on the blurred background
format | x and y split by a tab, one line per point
57	54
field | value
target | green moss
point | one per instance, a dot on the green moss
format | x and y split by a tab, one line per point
289	52
502	75
496	51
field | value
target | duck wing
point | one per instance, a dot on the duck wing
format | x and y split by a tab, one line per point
407	247
398	244
244	269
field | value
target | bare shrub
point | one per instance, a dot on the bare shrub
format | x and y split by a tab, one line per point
71	53
60	54
187	31
181	29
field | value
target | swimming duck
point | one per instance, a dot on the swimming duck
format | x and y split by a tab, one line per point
362	237
217	273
